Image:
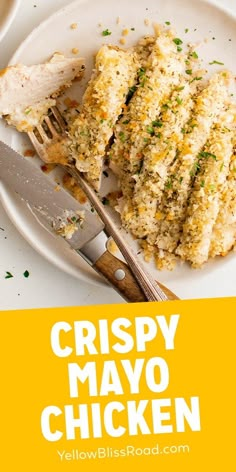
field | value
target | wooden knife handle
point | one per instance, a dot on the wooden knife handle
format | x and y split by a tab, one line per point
118	274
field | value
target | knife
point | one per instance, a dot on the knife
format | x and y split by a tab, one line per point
64	216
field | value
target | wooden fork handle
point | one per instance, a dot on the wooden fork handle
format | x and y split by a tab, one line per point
168	292
118	274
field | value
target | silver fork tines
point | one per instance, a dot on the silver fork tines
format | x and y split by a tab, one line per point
41	142
51	131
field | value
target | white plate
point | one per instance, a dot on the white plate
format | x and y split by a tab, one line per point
204	20
8	9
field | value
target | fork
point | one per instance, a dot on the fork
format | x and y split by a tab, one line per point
43	142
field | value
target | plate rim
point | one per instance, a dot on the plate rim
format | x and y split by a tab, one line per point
215	3
9	18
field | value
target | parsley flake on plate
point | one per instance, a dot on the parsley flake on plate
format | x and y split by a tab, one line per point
106	32
216	62
194	55
206	155
177	41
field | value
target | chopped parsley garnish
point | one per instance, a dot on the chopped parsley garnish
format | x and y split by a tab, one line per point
126	122
26	274
165	106
183	130
179	100
169	183
195	169
8	275
74	219
157	124
131	92
141	71
186	30
150	130
122	136
167	23
196	78
146	140
106	32
177	41
141	75
179	49
197	166
144	78
194	55
202	184
132	89
105	201
216	62
28	111
132	29
206	155
221	167
189	71
179	88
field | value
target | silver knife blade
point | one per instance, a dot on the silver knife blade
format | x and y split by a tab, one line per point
57	209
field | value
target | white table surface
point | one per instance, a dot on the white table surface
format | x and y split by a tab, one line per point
46	286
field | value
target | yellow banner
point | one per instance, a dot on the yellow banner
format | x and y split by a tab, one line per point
119	386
